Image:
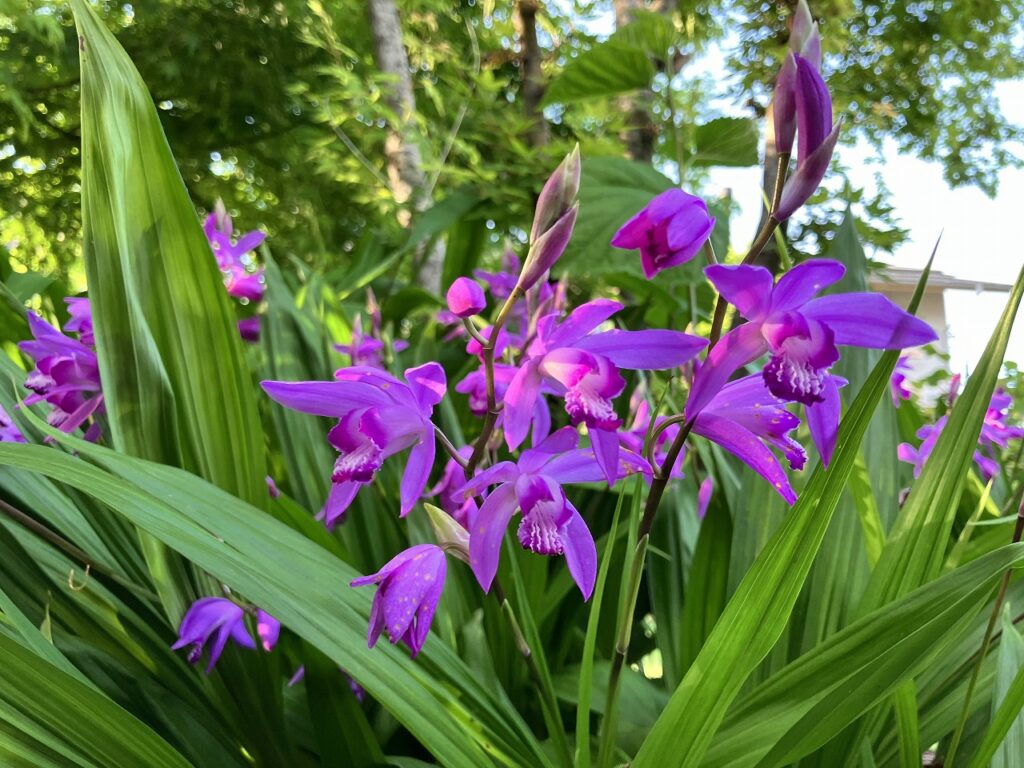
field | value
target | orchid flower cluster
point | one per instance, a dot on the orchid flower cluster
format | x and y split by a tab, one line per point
996	434
531	351
243	278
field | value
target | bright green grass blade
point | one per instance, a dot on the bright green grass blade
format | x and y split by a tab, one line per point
436	697
758	613
1003	743
70	711
174	380
818	694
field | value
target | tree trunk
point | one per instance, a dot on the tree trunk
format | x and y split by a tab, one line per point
530	69
404	161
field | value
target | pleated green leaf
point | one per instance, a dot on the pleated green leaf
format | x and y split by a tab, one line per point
758	613
174	380
72	723
1003	743
436	697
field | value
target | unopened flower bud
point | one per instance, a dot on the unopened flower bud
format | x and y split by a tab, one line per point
547	249
451	537
466	298
558	195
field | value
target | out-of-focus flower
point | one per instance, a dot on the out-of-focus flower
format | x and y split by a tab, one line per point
816	134
553	220
745	418
583	368
215	618
634	438
67	376
461	508
249	329
243	278
272	488
802	334
9	432
81	319
550	524
268	629
356	688
501	283
378	416
707	487
466	298
409	588
475	386
898	381
366	349
994	437
668	231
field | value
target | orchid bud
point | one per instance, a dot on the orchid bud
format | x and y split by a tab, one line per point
784	107
450	536
804	37
558	195
547	249
466	298
222	218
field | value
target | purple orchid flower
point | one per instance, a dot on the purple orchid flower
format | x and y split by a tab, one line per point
243	278
268	629
466	298
803	334
378	416
550	524
67	376
503	282
634	438
212	617
583	368
704	492
816	134
367	349
898	381
249	329
81	319
744	417
668	231
995	432
409	588
9	432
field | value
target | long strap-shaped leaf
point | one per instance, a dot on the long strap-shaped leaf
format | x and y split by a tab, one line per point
757	614
436	697
73	717
174	379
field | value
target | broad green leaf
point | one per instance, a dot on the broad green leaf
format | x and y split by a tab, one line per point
758	613
174	380
819	693
726	141
1007	699
610	68
68	712
305	587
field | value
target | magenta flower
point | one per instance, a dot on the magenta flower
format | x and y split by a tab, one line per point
745	418
805	40
367	349
448	488
550	524
583	368
501	283
475	386
466	298
802	335
249	329
704	492
9	432
409	588
669	230
378	416
268	629
816	133
272	490
67	376
553	220
243	278
81	320
634	438
898	381
212	617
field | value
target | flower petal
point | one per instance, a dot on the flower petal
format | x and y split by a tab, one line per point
649	350
734	350
428	385
606	452
582	321
519	401
580	553
804	281
869	320
488	532
823	419
324	398
417	471
745	446
746	287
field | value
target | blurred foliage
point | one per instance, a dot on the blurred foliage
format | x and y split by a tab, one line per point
277	106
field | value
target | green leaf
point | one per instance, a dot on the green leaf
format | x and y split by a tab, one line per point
726	141
73	718
1003	743
304	586
165	331
815	697
757	614
608	69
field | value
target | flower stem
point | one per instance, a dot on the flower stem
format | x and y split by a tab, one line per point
492	406
1018	531
762	239
449	447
